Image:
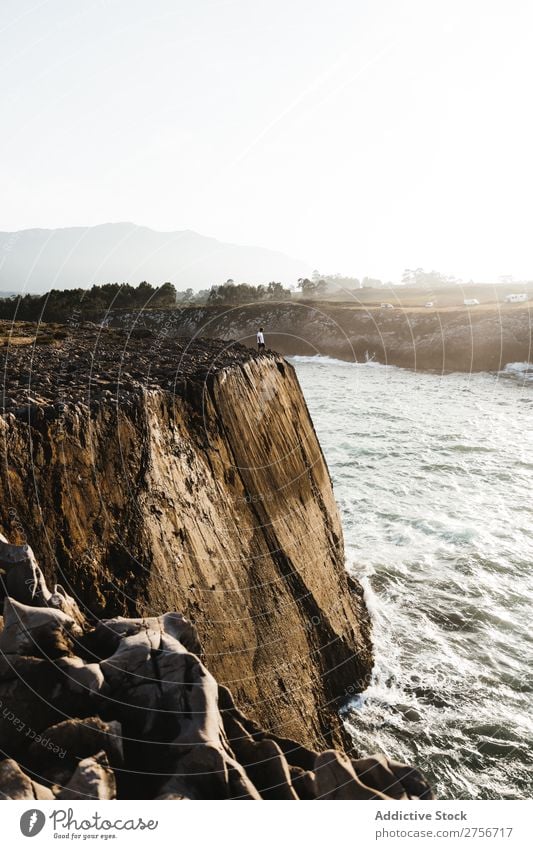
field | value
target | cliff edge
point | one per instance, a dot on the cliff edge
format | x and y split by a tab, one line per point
155	475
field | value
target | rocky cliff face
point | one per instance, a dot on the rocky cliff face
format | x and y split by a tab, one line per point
478	339
155	475
125	707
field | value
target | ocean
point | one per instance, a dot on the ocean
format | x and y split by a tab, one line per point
433	475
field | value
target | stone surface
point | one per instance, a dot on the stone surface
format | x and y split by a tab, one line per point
154	723
15	784
92	779
197	484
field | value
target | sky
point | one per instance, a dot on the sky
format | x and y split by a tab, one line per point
362	136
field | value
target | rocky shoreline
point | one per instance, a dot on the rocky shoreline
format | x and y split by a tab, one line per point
156	474
125	708
454	339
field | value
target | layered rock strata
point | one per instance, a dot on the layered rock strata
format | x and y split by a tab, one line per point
157	474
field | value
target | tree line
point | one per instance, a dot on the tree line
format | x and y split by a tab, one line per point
243	293
59	305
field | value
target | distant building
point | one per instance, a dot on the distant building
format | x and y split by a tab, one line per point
516	299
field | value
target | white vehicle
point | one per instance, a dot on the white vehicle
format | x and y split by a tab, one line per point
516	299
471	302
429	304
387	307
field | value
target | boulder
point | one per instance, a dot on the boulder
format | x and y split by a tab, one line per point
92	779
15	784
126	708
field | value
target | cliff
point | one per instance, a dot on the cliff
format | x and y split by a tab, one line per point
154	475
125	708
483	338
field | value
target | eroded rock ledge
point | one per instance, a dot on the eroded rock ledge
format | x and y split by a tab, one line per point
125	708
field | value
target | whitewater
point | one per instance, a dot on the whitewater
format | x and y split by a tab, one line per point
433	475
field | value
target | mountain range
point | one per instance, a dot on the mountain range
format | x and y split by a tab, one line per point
38	260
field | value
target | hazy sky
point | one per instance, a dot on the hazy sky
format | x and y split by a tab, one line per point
361	135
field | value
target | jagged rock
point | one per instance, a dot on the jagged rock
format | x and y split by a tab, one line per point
27	692
35	694
36	631
86	679
21	576
234	721
335	778
206	772
64	602
174	624
267	767
159	719
303	783
15	784
74	740
22	579
93	779
395	779
198	485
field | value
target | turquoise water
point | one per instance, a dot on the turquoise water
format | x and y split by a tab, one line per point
434	479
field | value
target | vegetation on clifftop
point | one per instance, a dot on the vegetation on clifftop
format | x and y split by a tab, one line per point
60	304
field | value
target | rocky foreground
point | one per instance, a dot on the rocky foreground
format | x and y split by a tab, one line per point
155	474
58	365
125	708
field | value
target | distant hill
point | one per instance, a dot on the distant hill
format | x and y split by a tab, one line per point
39	260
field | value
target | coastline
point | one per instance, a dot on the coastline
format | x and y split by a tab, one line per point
190	477
441	341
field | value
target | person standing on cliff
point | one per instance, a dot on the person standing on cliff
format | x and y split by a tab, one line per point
260	340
